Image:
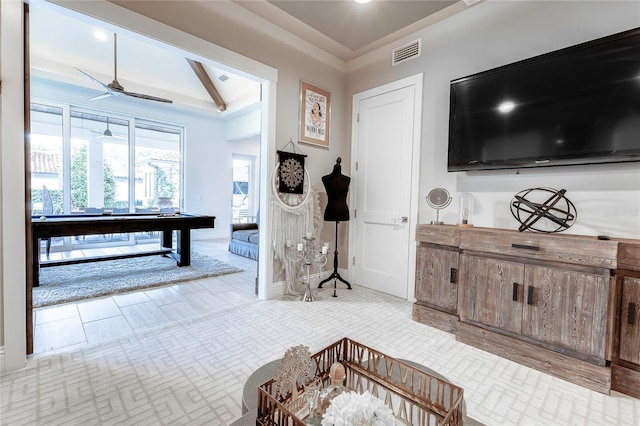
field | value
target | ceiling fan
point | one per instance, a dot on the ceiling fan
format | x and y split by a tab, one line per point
115	88
107	133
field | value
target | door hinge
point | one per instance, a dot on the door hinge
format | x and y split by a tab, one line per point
356	166
357	117
353	262
355	213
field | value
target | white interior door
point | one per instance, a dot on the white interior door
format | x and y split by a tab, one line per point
385	136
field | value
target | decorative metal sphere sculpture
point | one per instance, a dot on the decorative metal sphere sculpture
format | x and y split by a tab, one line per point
539	206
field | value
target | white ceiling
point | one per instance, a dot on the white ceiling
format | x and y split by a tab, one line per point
347	29
61	40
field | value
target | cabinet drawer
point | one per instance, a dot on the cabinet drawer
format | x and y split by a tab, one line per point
630	320
579	250
446	235
629	256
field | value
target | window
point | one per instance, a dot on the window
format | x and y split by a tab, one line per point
105	162
243	189
157	166
99	158
47	189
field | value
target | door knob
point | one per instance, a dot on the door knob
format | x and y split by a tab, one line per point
403	219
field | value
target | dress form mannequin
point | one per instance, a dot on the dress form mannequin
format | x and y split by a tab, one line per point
337	186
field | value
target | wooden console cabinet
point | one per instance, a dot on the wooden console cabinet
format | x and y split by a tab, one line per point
557	303
436	289
625	370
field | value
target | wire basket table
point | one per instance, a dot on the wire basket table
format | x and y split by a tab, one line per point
415	397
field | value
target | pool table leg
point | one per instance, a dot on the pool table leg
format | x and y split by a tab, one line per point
184	247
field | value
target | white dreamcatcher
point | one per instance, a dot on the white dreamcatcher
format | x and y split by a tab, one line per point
293	216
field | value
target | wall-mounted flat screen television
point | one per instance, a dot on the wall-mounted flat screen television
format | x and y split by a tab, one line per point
578	105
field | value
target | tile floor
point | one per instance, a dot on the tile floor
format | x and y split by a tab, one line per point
192	371
73	325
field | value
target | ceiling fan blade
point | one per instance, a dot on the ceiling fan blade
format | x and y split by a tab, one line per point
147	97
95	80
115	88
102	96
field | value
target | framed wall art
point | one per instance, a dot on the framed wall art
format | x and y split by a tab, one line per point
315	111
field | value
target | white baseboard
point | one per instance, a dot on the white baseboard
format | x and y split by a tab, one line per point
208	233
278	288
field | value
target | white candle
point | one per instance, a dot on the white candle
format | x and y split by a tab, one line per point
288	243
325	249
299	246
309	235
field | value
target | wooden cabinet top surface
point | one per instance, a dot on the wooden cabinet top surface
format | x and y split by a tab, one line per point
629	255
568	248
446	235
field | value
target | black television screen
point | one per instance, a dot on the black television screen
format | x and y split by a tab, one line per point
579	105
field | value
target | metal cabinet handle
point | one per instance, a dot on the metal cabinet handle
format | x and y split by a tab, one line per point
530	295
515	292
631	314
453	275
525	247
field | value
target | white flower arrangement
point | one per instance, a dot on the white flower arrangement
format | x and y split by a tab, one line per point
354	409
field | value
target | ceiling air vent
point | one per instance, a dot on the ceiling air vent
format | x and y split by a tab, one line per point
404	53
223	77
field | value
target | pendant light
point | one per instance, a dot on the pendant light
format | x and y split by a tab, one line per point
107	132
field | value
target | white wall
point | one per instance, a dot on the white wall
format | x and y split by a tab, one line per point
488	35
243	126
12	218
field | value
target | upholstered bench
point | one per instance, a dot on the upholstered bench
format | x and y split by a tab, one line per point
244	240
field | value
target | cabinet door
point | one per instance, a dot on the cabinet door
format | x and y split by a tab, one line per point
567	309
487	292
436	277
630	320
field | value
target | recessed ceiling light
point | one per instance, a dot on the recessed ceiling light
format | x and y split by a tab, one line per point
100	35
506	107
362	1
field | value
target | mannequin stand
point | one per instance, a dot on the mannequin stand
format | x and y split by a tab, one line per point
335	275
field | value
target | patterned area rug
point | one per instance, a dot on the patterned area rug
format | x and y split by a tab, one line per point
69	283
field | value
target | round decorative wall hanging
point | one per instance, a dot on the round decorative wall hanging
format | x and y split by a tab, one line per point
290	200
543	210
290	180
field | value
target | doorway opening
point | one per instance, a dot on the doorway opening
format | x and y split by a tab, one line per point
244	204
116	141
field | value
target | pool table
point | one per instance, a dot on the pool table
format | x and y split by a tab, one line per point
43	227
